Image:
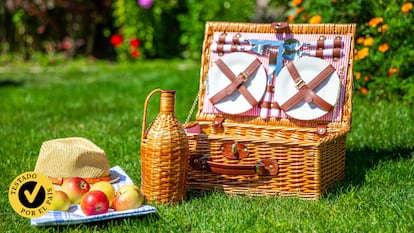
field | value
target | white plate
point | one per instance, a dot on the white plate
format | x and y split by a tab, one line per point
256	84
308	68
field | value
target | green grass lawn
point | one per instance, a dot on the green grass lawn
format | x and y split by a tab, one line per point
104	103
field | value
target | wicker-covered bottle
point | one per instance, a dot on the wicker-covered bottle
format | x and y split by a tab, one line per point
164	153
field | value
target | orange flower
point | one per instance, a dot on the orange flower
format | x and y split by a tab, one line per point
291	18
361	54
383	48
406	7
364	90
360	40
375	21
366	79
315	19
368	41
392	71
383	28
298	10
296	2
357	75
334	1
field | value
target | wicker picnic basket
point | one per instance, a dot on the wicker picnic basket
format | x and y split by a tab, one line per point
242	154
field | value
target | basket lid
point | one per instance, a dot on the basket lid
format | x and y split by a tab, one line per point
340	116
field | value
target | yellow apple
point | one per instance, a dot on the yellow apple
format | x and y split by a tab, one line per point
127	187
127	197
106	188
61	201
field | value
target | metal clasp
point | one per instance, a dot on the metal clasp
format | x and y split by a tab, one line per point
300	84
234	149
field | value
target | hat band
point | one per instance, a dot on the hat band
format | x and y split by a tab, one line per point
60	180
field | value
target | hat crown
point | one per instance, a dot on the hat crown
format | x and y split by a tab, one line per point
70	157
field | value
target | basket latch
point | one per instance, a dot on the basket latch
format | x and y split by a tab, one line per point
198	161
321	129
234	150
279	25
218	122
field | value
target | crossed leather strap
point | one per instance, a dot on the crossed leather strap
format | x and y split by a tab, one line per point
237	82
306	89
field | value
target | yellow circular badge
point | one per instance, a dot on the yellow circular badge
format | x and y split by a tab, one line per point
31	194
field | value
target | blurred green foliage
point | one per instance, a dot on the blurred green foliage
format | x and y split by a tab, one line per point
174	28
57	29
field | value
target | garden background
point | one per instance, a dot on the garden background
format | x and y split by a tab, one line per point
49	31
78	67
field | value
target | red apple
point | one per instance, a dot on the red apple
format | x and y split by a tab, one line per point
75	188
61	201
127	197
105	187
94	202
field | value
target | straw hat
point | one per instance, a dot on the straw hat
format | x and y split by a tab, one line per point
63	158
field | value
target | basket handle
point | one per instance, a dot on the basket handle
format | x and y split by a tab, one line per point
264	167
144	119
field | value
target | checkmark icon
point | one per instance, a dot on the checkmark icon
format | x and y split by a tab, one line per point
32	195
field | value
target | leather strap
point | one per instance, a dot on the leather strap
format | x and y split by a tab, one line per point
306	90
320	44
338	42
220	48
237	82
267	167
235	40
263	167
60	180
222	38
275	105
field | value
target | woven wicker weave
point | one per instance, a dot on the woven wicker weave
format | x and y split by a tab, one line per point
164	152
308	162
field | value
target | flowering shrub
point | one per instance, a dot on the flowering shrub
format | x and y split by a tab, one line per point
173	28
154	23
126	50
384	46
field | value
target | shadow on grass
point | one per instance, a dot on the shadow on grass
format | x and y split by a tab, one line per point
361	160
10	83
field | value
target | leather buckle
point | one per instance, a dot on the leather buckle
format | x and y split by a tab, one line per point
244	77
234	150
300	84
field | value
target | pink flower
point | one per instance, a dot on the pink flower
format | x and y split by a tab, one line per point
145	3
116	40
67	43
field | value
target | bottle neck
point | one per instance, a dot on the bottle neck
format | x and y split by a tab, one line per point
167	101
